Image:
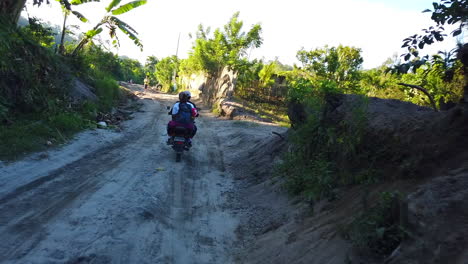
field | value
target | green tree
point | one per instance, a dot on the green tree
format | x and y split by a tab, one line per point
165	71
113	23
10	10
150	64
132	69
267	73
445	12
225	48
43	35
340	65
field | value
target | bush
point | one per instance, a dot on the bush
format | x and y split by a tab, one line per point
326	155
67	122
31	75
377	230
108	92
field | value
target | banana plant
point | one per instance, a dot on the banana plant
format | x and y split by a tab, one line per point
113	23
66	9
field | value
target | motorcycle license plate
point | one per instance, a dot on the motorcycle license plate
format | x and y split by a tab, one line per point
179	139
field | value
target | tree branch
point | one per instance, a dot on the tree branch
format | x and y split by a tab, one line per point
278	134
417	87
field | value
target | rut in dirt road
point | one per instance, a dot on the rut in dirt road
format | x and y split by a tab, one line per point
124	202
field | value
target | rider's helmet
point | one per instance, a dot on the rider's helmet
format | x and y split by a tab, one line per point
183	97
189	95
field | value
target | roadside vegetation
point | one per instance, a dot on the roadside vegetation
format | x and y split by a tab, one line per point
38	72
36	108
328	157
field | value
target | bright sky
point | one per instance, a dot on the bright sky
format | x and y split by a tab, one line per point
376	26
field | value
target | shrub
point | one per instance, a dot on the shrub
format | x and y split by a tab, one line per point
377	230
67	122
108	92
325	155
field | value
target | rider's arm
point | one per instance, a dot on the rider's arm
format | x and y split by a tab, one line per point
175	108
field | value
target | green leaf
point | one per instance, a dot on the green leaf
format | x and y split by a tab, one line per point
456	32
93	32
65	4
79	2
127	7
80	16
132	36
112	5
119	23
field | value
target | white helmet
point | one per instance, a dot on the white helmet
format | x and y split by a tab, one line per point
189	95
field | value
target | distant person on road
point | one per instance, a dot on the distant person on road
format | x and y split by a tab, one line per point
146	82
183	114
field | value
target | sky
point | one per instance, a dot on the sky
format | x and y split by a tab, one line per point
377	27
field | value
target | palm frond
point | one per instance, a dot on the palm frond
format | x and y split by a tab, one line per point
80	16
127	7
112	5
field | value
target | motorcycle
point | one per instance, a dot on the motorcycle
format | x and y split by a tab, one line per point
180	141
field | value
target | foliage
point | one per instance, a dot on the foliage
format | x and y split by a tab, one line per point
40	34
108	92
150	69
131	69
267	73
32	132
113	23
340	65
32	77
377	230
248	76
165	71
35	107
225	48
433	76
325	155
450	12
259	82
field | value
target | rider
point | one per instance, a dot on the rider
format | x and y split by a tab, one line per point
183	114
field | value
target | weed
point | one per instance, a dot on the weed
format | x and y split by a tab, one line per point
377	230
31	133
108	92
327	155
216	109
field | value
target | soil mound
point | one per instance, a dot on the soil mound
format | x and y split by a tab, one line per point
422	154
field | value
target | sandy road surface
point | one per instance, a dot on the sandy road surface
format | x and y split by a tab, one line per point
111	197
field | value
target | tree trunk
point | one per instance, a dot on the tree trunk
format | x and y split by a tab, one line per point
80	45
10	10
61	48
462	55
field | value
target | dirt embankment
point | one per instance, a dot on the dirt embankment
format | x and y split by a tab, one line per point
422	154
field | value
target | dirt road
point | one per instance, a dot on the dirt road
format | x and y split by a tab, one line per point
119	197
